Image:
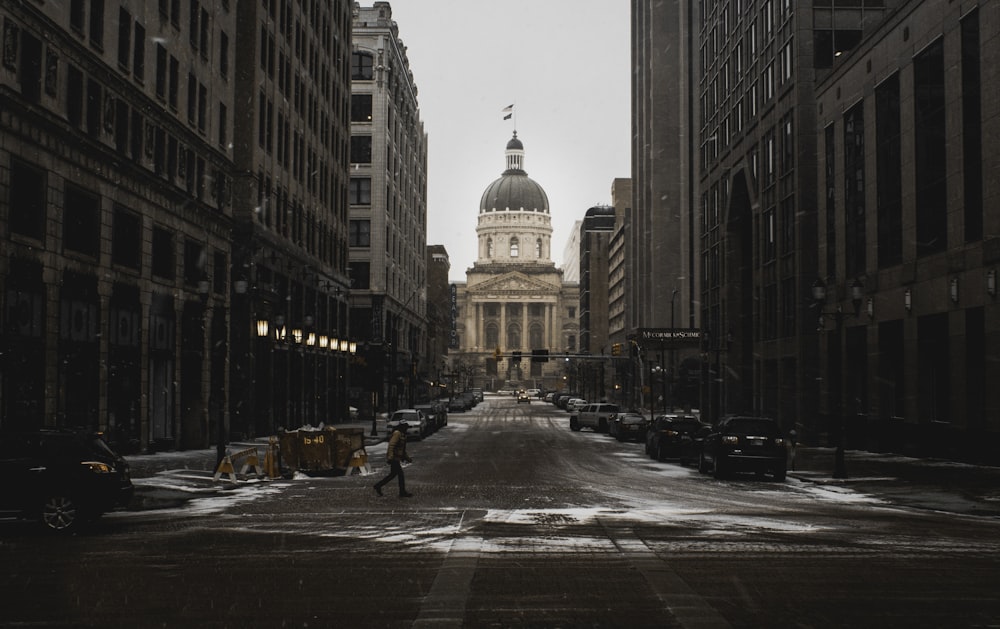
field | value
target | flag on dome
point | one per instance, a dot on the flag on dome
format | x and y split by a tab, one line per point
509	110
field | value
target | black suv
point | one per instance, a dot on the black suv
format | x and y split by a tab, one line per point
64	478
676	436
744	444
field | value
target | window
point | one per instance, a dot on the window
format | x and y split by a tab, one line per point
361	191
361	107
361	149
223	122
195	267
854	190
972	127
124	38
139	53
514	247
27	200
489	247
360	275
126	239
77	15
81	221
161	71
30	74
220	270
538	248
361	66
360	233
223	54
172	79
930	149
163	253
97	24
889	174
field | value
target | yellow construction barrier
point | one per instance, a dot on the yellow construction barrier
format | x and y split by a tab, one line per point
247	457
358	464
272	468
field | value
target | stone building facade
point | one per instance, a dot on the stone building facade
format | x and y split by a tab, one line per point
156	228
388	215
908	233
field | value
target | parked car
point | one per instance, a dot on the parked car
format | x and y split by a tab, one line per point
574	405
744	444
594	416
561	399
457	404
436	415
675	435
548	396
416	422
62	478
478	393
522	396
628	426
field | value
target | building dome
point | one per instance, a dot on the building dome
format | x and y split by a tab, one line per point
514	190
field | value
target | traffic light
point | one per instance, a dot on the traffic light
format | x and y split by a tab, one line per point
539	355
515	358
616	349
497	354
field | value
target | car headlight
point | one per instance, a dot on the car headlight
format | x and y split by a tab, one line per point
778	441
731	439
97	467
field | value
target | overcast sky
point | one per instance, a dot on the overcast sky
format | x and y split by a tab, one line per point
565	66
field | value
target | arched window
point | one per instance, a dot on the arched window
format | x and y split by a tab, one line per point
489	247
514	337
538	248
514	246
535	334
492	336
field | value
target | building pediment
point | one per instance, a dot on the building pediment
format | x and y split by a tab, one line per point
513	283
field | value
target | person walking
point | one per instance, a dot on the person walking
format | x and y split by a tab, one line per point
396	454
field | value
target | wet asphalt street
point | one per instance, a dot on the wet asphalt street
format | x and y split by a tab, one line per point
516	522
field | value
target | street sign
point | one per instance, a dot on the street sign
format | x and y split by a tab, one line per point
669	334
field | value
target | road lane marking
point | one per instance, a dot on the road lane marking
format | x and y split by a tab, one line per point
445	603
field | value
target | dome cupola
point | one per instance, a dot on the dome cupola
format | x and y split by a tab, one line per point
514	191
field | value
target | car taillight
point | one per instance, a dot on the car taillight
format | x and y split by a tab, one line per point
671	433
730	439
97	467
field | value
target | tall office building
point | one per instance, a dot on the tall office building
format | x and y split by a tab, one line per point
758	190
595	232
656	300
115	153
388	211
290	338
907	224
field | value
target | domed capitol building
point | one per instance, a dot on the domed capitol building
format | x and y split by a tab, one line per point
514	298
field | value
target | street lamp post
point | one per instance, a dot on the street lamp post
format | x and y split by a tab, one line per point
673	351
819	297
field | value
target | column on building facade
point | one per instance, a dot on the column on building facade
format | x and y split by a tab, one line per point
502	336
477	327
550	328
524	326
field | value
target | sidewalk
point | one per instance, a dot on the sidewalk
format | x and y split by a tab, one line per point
933	484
